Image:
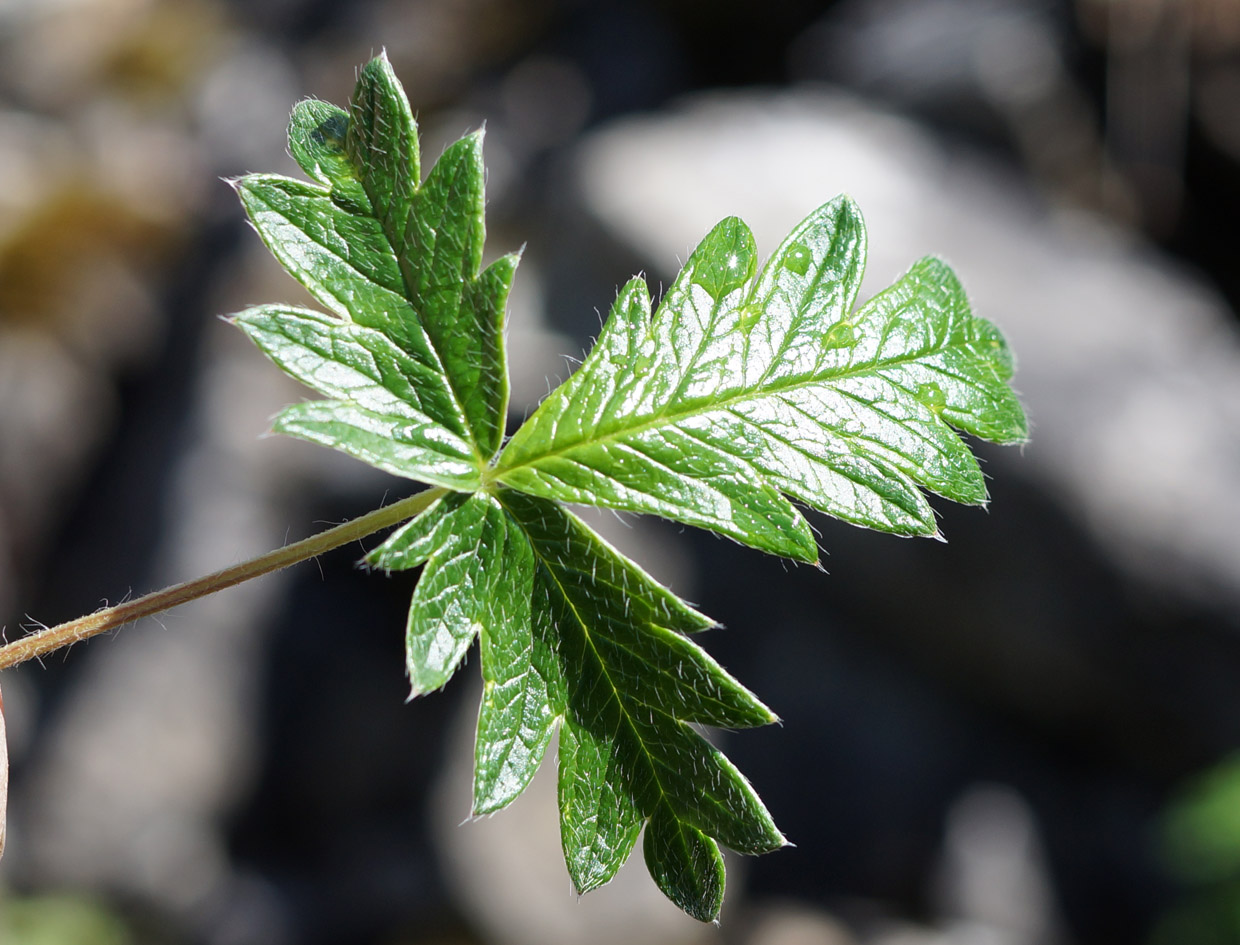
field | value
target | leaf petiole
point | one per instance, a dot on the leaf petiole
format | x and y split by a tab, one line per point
50	639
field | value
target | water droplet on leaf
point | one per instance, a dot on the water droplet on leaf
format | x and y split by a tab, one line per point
797	258
749	316
932	396
726	259
841	335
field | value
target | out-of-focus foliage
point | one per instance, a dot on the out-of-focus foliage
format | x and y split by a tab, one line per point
1201	849
1202	834
59	920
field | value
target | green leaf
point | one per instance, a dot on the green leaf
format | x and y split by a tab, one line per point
479	581
741	390
685	863
461	590
384	402
632	686
572	630
746	391
1201	827
396	260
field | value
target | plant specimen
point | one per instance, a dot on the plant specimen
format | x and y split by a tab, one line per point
746	389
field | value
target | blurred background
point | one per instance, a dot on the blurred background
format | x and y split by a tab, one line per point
1021	737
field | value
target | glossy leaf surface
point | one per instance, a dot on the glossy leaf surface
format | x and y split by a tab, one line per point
632	683
391	257
741	390
746	390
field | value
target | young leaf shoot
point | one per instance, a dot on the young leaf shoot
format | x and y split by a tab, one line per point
747	389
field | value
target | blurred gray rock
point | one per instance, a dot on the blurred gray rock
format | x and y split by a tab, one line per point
155	744
993	883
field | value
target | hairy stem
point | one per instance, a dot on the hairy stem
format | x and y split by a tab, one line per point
53	638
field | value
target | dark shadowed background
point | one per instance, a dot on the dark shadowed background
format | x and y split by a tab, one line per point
993	741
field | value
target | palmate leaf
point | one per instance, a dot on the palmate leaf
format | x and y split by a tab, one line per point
743	392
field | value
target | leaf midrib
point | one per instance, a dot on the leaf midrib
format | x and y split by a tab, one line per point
374	372
386	227
702	405
325	191
664	796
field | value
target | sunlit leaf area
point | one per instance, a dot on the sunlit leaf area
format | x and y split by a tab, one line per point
1019	731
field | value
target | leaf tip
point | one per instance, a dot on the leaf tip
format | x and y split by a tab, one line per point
418	687
806	554
487	805
473	142
845	203
588	883
379	62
